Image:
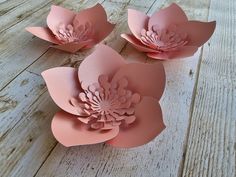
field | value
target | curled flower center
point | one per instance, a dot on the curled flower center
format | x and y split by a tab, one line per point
74	33
163	40
107	104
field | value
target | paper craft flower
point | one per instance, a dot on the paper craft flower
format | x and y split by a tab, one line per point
106	100
167	34
71	31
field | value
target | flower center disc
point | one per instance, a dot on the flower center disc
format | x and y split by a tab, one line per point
163	40
105	105
74	33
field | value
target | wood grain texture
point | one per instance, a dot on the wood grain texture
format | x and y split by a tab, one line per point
19	46
19	11
27	147
162	156
25	113
211	145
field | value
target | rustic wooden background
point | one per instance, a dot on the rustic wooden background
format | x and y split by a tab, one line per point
199	102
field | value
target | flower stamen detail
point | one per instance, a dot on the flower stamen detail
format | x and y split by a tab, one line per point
74	33
107	104
163	40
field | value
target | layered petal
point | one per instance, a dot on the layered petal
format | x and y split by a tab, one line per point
147	126
103	32
103	61
145	79
171	15
185	51
43	33
72	47
63	84
136	43
198	32
57	16
97	17
69	131
137	21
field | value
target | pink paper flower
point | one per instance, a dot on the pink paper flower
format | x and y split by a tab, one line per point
71	31
107	100
167	34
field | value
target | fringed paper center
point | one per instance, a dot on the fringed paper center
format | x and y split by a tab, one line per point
107	104
163	40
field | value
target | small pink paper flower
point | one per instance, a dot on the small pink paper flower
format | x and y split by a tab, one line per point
167	34
107	100
71	31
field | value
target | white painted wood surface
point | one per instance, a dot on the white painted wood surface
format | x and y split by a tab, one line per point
198	104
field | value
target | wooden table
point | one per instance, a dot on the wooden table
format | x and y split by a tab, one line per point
199	102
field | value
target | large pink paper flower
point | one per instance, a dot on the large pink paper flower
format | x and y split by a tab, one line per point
71	31
167	34
107	100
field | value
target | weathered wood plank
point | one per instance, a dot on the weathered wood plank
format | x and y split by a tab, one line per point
17	158
9	5
25	113
162	156
16	98
15	14
18	46
116	13
211	148
28	144
22	121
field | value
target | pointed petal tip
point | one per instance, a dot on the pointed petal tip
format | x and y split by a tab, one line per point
103	60
28	28
99	5
137	20
153	86
213	24
172	14
150	124
201	35
42	33
174	4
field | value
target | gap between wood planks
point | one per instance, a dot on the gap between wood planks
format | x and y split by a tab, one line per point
122	49
26	70
180	171
181	166
26	49
40	55
211	146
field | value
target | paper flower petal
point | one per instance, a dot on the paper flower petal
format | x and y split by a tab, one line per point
148	125
63	84
185	51
198	32
97	17
106	30
145	79
137	44
69	131
43	33
171	15
59	15
137	21
73	47
103	60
